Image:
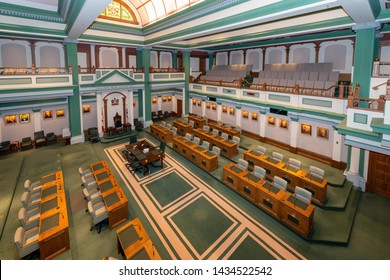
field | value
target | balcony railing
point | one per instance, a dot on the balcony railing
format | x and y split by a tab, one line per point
35	70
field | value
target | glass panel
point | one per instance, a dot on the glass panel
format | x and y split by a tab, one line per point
113	10
181	3
170	6
150	11
159	8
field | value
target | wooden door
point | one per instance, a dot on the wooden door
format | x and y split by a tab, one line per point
378	180
179	109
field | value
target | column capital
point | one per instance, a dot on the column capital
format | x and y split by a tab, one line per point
366	25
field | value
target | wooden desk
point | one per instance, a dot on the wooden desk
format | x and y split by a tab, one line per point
293	177
228	147
232	174
113	197
203	158
53	223
154	154
199	122
134	242
231	131
182	127
162	133
297	215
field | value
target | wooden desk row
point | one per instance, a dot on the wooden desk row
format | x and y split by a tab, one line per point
134	242
53	222
162	133
182	127
199	122
278	203
294	177
228	147
114	199
231	131
203	158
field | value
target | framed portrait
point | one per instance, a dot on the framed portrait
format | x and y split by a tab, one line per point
61	113
214	106
245	114
283	123
224	109
322	132
208	105
24	118
47	115
86	109
271	120
254	116
231	110
306	129
10	119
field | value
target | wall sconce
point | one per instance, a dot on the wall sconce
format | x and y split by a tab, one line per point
208	105
224	109
231	110
169	98
214	106
193	101
199	102
154	100
245	114
254	116
164	98
271	120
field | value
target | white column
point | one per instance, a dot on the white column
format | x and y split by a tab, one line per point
93	61
387	111
263	122
159	102
174	104
143	107
81	116
99	113
219	112
337	142
294	133
124	57
238	116
37	120
203	107
353	173
130	108
191	105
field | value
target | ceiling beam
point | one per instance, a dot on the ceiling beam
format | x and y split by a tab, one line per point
359	10
81	18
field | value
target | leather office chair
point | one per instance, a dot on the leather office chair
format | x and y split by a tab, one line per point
294	163
303	195
262	150
216	151
224	135
280	183
259	172
169	126
160	114
191	122
243	163
87	173
163	123
188	136
98	213
93	135
277	156
205	145
174	130
206	128
31	201
29	219
32	187
39	138
5	146
26	143
316	173
196	140
133	164
138	125
215	131
162	146
51	137
92	194
154	116
26	241
237	140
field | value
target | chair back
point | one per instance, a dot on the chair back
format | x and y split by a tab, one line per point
302	194
320	173
294	162
205	145
277	156
196	140
206	128
259	172
224	135
188	135
174	130
216	150
169	126
262	150
280	183
243	163
39	134
236	139
162	146
215	131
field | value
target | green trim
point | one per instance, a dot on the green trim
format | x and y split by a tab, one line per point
349	152
31	30
116	28
48	80
282	98
101	81
33	102
73	13
358	133
360	118
29	13
228	91
378	126
37	89
317	102
15	81
361	162
116	40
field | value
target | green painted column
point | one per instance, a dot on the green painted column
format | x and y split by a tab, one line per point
349	158
211	60
361	162
140	103
148	92
363	59
174	59
139	58
186	65
74	100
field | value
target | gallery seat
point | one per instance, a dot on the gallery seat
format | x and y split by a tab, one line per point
5	146
26	241
26	143
39	138
51	137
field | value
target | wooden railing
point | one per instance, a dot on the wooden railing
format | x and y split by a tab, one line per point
355	101
165	70
35	70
